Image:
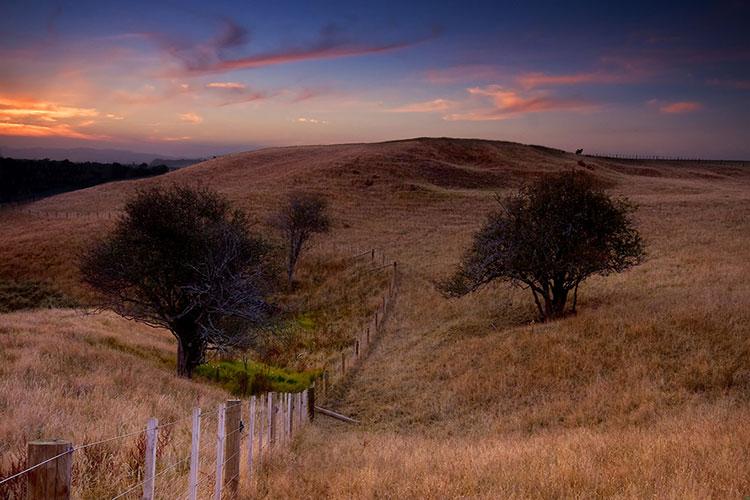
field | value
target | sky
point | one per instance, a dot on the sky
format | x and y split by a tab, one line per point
189	78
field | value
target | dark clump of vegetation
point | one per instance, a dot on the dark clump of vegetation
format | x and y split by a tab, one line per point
243	378
549	237
184	259
303	215
20	295
28	179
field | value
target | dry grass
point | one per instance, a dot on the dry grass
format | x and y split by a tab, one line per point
644	393
87	378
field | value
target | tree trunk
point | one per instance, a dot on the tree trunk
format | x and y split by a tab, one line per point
554	303
295	246
190	352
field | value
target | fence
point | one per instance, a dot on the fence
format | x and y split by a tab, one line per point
340	364
635	157
210	470
270	423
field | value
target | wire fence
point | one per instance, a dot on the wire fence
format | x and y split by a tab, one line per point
229	444
209	468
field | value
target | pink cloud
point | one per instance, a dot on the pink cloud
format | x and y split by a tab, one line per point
225	85
191	117
680	107
424	107
508	103
533	80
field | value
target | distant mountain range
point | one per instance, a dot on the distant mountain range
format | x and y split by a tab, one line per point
96	155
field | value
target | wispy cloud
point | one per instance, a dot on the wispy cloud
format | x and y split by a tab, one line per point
313	121
730	83
226	85
464	73
424	107
676	107
538	79
213	55
507	103
191	117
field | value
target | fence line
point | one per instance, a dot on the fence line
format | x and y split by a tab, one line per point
285	415
637	157
231	444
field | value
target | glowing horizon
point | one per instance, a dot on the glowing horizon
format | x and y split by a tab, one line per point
205	79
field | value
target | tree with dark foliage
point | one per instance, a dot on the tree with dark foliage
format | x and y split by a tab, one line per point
301	216
183	259
549	237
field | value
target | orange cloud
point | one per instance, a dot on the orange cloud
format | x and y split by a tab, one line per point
424	107
226	85
35	118
680	107
191	118
508	103
26	130
311	120
533	80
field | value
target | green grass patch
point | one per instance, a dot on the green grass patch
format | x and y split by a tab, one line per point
20	295
254	378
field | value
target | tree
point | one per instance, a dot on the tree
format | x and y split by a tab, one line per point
183	259
299	218
549	237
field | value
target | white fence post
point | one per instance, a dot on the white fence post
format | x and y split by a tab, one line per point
150	464
194	457
250	437
220	436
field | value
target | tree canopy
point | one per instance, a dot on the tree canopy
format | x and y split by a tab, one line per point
549	237
184	259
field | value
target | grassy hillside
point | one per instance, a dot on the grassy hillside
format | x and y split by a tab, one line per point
641	394
90	377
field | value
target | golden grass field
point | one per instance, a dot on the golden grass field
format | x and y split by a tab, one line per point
644	393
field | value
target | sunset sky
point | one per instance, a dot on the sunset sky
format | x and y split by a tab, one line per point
200	78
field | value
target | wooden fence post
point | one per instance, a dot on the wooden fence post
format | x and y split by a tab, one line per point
269	419
149	484
51	481
194	455
250	437
356	348
290	416
368	335
310	400
232	425
372	254
260	430
220	437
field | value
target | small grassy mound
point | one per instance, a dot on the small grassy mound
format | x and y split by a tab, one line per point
245	378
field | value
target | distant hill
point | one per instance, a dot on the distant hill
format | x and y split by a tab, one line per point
175	163
83	154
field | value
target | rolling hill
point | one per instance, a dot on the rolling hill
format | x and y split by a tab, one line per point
643	393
